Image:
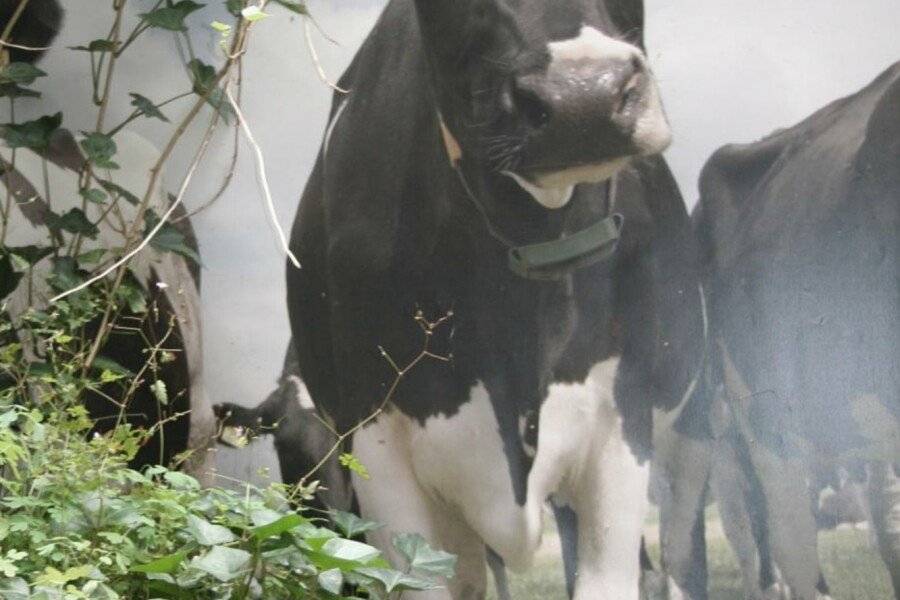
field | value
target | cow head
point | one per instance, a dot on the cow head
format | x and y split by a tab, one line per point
542	95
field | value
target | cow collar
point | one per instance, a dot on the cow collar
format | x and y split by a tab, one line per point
554	259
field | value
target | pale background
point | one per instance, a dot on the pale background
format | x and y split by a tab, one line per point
729	70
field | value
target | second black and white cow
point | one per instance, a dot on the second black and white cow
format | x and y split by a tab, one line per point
800	233
499	162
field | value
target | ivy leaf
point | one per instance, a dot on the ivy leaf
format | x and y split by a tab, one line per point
297	7
208	534
169	239
107	364
223	563
12	90
171	17
14	589
32	134
351	525
146	106
31	255
279	526
351	462
422	557
96	46
331	581
19	72
94	195
165	564
100	148
204	77
396	580
91	256
349	550
74	221
120	192
253	13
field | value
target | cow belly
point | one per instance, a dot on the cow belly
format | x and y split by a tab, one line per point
454	468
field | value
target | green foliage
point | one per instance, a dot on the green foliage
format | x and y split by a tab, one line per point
78	523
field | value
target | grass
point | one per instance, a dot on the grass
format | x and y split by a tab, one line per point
852	567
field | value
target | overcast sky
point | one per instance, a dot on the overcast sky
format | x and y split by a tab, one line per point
729	71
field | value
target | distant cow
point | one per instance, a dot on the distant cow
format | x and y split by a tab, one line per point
799	235
302	440
497	163
169	283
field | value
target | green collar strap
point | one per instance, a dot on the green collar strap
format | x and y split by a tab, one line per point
555	259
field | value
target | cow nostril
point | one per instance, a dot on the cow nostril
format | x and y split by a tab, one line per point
530	106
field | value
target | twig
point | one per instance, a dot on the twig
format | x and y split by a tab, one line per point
7	31
149	237
21	47
315	58
264	182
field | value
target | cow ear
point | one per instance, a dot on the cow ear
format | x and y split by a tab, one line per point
35	27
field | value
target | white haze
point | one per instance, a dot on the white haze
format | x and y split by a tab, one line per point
729	71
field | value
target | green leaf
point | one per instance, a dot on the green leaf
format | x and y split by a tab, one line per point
12	90
34	134
146	106
253	13
171	17
279	526
19	72
169	239
234	7
65	274
180	481
208	534
54	577
97	196
223	563
353	463
351	525
74	221
96	46
204	77
91	256
100	148
350	550
9	279
422	557
14	589
396	580
294	6
165	564
104	363
119	192
160	392
331	581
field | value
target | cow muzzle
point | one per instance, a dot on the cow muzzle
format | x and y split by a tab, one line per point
595	107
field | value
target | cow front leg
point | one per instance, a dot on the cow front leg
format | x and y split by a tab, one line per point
393	496
884	500
611	503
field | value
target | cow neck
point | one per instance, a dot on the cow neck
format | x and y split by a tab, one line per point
554	259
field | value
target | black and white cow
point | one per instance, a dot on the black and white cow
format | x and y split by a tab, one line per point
475	130
800	235
171	283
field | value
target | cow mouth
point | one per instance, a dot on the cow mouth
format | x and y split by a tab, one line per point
552	188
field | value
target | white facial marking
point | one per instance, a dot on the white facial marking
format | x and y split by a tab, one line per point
652	132
592	44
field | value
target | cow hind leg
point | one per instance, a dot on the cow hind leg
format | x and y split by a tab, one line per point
884	499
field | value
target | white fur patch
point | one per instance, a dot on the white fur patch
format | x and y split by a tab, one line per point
303	397
453	474
592	44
